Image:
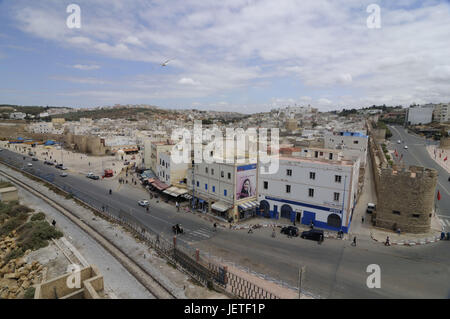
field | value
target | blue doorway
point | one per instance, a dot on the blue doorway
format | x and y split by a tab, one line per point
308	217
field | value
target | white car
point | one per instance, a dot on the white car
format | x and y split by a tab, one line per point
30	165
63	174
406	147
143	203
399	142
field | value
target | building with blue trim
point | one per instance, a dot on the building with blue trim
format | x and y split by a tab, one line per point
309	190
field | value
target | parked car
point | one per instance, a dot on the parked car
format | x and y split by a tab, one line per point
59	166
143	203
34	159
92	176
313	234
30	165
406	147
63	174
292	230
48	163
399	142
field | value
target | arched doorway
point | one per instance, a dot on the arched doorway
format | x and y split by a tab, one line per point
286	211
264	207
334	220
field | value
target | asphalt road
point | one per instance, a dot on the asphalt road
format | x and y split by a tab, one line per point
334	269
416	154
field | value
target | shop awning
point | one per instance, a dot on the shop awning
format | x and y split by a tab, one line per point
159	185
175	191
248	205
221	206
187	196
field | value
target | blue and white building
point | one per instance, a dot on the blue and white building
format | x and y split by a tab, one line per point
307	189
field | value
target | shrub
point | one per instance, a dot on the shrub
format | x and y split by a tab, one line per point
35	235
391	162
388	157
38	216
29	293
16	253
19	209
13	223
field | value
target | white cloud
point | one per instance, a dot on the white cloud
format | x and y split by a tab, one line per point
187	81
85	67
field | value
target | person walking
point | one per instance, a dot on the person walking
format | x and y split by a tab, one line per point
178	206
362	219
215	225
273	232
354	241
387	243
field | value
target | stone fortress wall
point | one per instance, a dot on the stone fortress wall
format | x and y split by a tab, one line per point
405	195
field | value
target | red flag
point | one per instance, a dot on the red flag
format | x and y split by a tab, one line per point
445	158
396	153
439	196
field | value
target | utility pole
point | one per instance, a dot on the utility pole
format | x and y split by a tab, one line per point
193	186
301	274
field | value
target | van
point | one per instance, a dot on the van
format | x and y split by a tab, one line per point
371	208
313	234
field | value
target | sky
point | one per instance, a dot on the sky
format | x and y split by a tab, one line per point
235	55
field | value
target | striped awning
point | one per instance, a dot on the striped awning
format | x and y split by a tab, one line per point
187	196
248	205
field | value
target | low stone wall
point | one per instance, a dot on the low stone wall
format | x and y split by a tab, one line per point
91	282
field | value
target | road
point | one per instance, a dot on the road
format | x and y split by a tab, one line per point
334	269
416	154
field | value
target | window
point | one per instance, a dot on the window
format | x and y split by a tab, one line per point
336	197
224	192
311	192
288	188
337	178
229	175
206	170
198	184
321	153
355	142
221	174
214	189
395	212
316	154
212	171
266	185
416	215
211	153
206	186
312	175
289	172
330	156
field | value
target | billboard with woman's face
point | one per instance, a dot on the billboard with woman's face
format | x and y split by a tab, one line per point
245	181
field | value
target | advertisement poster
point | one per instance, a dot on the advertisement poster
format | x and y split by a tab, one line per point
246	181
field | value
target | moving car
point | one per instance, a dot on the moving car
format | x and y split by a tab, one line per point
143	203
399	142
30	165
370	208
92	176
63	174
406	147
313	234
290	230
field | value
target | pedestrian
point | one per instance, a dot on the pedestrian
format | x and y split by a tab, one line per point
54	223
273	232
147	209
250	230
398	231
215	225
354	241
362	219
294	222
387	243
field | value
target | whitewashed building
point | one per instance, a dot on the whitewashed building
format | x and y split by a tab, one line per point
352	144
418	115
309	189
